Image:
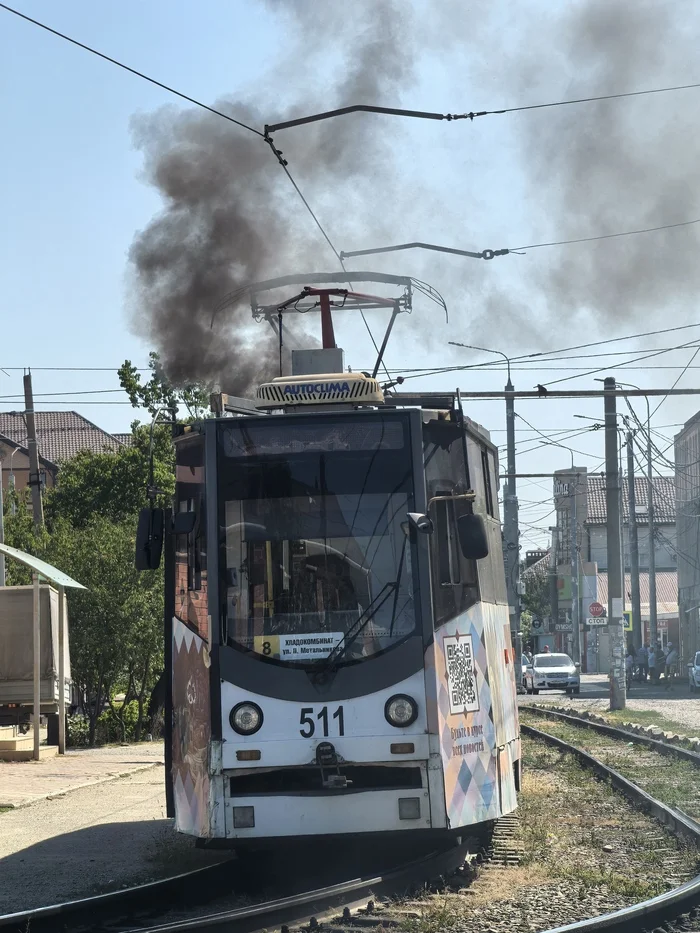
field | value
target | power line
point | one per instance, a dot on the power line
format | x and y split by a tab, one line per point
72	369
7	398
606	236
133	71
685	370
636	359
471	115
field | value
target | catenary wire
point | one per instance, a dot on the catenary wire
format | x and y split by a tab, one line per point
685	370
133	71
636	359
605	236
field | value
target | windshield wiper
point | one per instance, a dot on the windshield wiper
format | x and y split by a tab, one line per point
360	625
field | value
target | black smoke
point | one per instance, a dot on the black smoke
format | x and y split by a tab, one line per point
230	216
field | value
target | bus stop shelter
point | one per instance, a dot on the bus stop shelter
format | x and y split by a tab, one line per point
43	571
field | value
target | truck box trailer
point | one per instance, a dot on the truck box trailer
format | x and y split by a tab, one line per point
17	653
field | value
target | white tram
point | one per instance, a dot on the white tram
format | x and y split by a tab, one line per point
336	619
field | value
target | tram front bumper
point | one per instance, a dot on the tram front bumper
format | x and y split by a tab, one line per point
331	813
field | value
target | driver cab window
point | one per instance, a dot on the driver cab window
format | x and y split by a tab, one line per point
447	549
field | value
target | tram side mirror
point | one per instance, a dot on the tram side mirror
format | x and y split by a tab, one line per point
184	522
472	536
149	539
421	522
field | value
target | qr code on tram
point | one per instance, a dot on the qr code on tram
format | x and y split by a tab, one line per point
461	674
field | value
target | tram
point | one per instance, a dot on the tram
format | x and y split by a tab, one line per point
337	633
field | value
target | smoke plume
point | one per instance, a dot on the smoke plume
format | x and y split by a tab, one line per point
231	217
601	168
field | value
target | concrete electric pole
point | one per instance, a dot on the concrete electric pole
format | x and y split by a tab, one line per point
34	474
511	531
637	634
616	632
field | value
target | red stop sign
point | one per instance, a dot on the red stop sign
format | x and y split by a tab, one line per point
596	609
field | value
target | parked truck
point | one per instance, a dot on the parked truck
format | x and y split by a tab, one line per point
17	656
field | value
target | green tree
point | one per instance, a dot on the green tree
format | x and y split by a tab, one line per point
114	484
116	622
20	533
158	393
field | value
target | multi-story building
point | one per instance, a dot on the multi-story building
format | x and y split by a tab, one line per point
576	487
687	459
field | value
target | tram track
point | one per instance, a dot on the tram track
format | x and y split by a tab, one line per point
674	911
165	905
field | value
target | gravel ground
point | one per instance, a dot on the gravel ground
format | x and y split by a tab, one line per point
586	851
677	705
97	838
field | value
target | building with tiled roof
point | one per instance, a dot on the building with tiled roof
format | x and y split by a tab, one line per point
581	515
124	439
664	500
60	434
14	461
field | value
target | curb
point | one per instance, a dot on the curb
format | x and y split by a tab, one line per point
61	792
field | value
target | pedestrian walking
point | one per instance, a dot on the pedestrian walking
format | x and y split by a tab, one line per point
651	663
671	666
643	661
629	668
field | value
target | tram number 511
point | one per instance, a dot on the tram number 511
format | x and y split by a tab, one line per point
306	719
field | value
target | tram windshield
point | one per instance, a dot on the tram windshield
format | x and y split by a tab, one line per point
317	553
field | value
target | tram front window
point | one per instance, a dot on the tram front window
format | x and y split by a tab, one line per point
317	552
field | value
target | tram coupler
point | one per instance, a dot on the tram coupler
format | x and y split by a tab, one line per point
327	758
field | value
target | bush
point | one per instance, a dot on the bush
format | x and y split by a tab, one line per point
77	731
118	725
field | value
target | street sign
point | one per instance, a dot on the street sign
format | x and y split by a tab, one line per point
627	615
563	627
596	620
536	624
595	609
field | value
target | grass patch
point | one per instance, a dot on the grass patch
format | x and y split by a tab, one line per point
646	717
673	781
641	717
637	889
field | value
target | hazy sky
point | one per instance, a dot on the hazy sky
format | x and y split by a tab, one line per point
75	195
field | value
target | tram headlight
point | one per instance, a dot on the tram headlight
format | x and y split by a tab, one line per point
246	718
401	710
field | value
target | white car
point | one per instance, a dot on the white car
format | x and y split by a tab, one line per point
553	672
694	673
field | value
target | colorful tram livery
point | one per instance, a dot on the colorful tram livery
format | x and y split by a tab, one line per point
337	624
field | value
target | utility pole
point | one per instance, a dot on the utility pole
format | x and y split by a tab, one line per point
637	634
2	531
34	475
511	533
612	500
574	573
652	555
554	580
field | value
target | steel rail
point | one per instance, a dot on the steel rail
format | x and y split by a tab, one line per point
116	903
307	905
92	911
664	748
653	912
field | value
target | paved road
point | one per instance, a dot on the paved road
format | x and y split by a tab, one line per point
22	782
103	836
676	703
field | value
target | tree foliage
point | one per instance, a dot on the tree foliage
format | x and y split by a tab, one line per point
115	625
158	393
114	485
116	622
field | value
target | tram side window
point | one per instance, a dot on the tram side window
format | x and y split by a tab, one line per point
191	546
447	543
488	490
